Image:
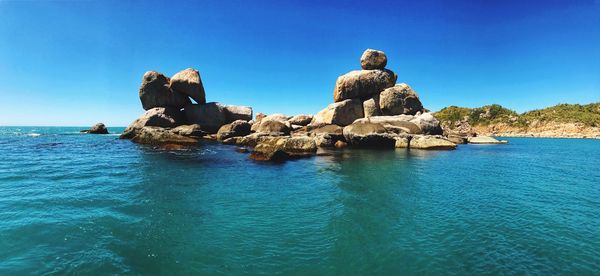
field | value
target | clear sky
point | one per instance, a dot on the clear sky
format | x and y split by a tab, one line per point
81	62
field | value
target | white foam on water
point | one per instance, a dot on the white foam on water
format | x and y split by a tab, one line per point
33	134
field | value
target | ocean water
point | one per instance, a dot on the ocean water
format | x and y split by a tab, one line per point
72	203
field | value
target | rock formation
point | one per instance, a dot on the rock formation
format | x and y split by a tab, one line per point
170	114
98	128
369	110
155	92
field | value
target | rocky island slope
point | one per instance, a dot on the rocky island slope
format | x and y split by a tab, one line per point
559	121
369	109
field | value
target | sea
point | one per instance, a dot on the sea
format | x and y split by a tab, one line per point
82	204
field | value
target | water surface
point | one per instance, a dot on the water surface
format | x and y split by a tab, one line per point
76	203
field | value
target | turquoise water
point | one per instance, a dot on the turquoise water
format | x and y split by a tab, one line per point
90	204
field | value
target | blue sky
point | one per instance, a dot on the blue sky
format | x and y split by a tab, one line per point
81	62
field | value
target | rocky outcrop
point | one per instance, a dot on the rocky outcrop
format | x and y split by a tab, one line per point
237	112
371	107
165	117
209	116
98	128
189	130
485	140
428	124
395	124
327	136
400	99
341	113
368	135
273	126
234	129
362	84
188	82
156	92
301	120
160	136
283	148
429	142
373	59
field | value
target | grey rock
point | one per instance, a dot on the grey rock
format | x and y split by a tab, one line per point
210	116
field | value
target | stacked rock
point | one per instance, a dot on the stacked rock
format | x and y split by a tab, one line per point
369	92
170	114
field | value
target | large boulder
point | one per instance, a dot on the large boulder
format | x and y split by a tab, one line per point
283	148
160	136
234	129
396	124
189	82
276	117
155	92
166	117
362	84
273	126
371	106
400	99
368	135
373	59
341	113
430	142
98	128
301	120
237	112
327	135
194	130
210	116
428	124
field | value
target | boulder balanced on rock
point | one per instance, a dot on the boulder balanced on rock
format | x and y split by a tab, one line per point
188	82
373	59
155	92
362	84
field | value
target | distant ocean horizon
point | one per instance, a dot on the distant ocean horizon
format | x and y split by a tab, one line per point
73	203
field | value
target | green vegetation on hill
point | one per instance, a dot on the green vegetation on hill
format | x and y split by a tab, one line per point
477	116
588	115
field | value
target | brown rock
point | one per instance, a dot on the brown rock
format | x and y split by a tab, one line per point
98	128
368	135
161	136
194	130
371	107
155	92
301	120
400	99
273	126
341	113
431	142
166	117
362	84
234	129
373	59
211	116
189	82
